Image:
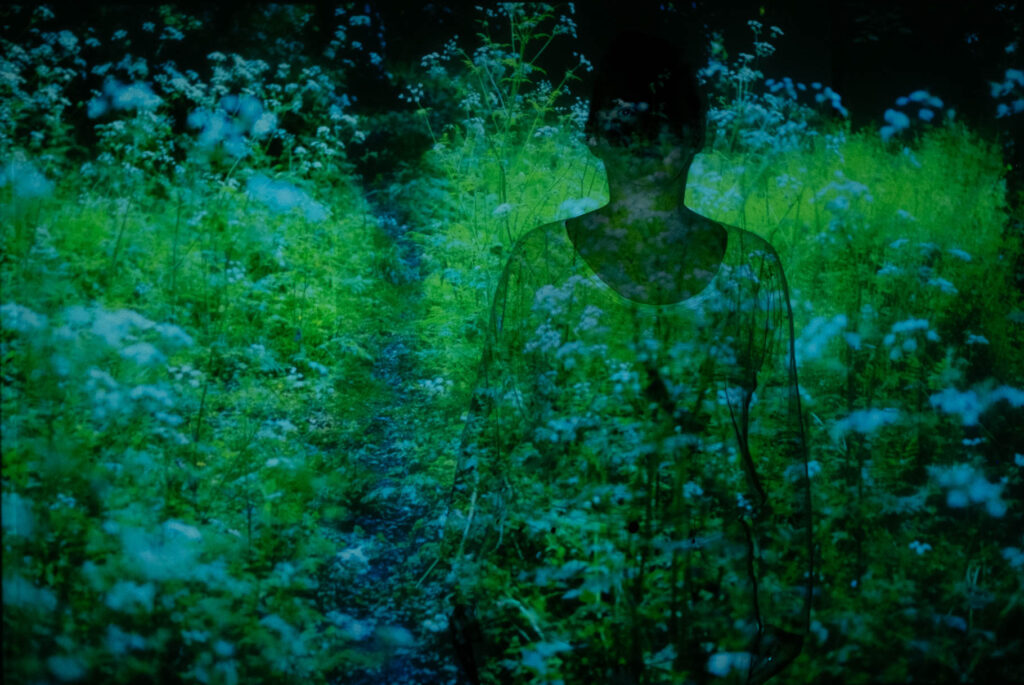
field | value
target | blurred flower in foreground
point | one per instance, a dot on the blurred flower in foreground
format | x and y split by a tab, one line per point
229	124
965	485
26	181
919	106
280	196
970	404
120	96
722	663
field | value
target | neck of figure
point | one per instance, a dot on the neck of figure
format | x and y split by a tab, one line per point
646	244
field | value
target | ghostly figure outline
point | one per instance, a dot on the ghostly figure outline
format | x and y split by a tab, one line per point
632	480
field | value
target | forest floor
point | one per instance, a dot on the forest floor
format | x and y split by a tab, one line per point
373	578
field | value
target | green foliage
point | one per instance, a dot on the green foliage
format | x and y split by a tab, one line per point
899	268
512	162
191	316
163	341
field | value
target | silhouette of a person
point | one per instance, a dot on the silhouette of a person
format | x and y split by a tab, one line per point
632	503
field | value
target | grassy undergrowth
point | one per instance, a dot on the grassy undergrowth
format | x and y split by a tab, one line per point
899	253
192	304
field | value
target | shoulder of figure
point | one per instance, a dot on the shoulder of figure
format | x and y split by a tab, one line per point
751	247
534	242
538	256
757	253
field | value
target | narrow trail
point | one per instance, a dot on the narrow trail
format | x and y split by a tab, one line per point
394	630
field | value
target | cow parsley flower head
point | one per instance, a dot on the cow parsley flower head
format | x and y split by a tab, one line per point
25	179
920	547
281	196
14	317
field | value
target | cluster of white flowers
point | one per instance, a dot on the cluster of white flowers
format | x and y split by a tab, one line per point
691	490
186	374
722	663
843	193
25	179
436	387
965	485
295	379
1014	556
1010	89
122	96
578	206
922	106
14	317
864	421
237	120
546	339
815	337
281	196
920	547
969	404
907	331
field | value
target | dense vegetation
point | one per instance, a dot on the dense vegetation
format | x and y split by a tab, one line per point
229	359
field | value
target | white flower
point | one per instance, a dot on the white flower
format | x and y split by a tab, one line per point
26	181
14	317
143	354
721	663
578	206
186	531
920	547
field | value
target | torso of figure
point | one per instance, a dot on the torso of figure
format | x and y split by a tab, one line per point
606	476
665	258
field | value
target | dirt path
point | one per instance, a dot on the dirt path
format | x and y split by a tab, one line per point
393	623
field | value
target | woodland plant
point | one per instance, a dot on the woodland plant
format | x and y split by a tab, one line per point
505	167
171	307
193	291
900	275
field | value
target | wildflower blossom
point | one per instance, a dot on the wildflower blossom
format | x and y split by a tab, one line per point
816	335
143	354
691	489
17	518
1014	555
920	547
722	663
15	317
969	404
864	421
896	122
26	181
943	285
966	485
280	196
66	668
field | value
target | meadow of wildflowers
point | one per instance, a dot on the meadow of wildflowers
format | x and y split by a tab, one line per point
233	386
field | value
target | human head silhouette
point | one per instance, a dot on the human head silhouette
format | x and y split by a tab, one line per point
644	91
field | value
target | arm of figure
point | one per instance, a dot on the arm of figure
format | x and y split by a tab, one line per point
773	451
473	478
478	469
483	486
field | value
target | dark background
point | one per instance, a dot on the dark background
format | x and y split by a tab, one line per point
869	51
